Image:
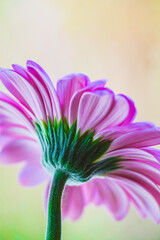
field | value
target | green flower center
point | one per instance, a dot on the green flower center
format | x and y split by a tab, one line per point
64	148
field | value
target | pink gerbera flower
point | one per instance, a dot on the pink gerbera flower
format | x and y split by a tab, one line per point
82	135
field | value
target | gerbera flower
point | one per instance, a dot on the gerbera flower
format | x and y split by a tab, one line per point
82	135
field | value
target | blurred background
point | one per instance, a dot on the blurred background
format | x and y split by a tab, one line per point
114	39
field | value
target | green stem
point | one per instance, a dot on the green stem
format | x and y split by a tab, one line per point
54	206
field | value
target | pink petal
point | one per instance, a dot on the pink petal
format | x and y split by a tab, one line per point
155	152
113	196
138	139
17	150
38	71
40	78
75	100
14	113
32	174
46	196
15	130
112	133
131	154
67	86
89	191
149	171
93	108
122	112
25	92
132	111
141	179
73	202
142	191
4	140
139	197
40	88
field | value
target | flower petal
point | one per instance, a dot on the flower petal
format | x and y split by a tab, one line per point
67	86
25	92
73	202
75	100
112	133
122	112
113	197
32	174
89	191
40	88
93	108
20	149
155	152
131	154
137	139
132	110
150	171
143	192
13	112
39	73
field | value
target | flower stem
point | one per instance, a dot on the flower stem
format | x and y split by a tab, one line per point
54	206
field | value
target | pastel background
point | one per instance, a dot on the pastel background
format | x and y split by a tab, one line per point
114	39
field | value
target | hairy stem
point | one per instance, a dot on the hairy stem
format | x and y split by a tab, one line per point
54	206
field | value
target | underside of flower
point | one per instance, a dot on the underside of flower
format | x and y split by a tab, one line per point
65	149
87	135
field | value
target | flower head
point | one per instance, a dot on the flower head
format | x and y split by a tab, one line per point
84	129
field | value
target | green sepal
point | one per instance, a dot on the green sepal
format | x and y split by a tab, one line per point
77	154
